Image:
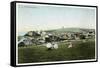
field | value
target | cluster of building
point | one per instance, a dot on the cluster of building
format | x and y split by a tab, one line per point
41	37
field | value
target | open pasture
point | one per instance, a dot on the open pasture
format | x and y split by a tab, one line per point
37	53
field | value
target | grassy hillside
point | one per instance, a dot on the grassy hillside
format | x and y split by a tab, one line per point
34	53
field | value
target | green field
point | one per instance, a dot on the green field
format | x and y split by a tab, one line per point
80	51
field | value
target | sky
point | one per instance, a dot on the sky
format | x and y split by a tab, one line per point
37	17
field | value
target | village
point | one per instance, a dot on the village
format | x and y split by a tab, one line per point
44	37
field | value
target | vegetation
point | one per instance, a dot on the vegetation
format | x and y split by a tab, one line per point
80	51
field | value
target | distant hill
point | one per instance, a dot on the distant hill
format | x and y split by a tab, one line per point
70	30
62	30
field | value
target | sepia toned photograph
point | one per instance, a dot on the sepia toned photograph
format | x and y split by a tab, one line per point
55	33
